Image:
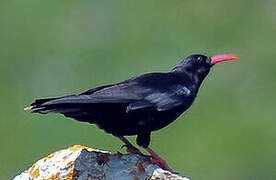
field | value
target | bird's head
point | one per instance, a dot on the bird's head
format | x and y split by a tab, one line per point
198	65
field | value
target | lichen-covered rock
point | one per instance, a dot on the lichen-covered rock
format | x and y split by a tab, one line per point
80	162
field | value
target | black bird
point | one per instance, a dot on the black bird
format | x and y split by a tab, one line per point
139	105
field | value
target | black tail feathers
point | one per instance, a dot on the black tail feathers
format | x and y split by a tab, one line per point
69	106
45	106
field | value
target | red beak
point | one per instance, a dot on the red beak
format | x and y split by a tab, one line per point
223	57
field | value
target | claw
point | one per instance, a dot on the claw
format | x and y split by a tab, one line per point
161	163
155	159
130	147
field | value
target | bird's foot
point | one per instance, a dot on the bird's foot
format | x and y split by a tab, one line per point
156	159
161	163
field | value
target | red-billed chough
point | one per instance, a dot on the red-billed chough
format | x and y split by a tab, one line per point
139	105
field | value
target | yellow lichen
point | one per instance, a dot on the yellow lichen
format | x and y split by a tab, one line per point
72	174
35	174
54	177
78	147
33	166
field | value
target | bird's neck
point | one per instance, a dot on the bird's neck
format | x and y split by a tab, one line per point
189	78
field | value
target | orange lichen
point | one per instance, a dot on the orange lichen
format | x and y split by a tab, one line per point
55	176
103	159
141	169
48	157
106	158
35	174
69	164
70	154
68	178
64	158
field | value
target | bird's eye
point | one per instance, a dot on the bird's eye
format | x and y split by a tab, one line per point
199	58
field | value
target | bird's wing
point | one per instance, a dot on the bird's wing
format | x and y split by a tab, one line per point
149	91
117	93
162	101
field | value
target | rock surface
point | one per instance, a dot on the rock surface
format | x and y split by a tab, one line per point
81	162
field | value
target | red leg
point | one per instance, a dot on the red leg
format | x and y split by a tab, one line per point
156	159
129	146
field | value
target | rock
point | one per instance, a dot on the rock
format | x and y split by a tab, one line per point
81	162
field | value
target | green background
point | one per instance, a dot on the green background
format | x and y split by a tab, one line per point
53	48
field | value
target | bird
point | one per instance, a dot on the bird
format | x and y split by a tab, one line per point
138	105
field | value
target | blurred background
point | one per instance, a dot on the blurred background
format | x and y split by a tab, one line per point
54	48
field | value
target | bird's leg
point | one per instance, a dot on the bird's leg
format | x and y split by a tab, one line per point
129	146
143	140
156	159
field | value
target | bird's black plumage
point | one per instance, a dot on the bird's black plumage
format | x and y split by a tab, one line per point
136	106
